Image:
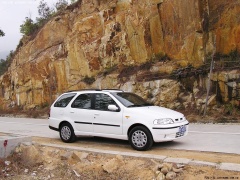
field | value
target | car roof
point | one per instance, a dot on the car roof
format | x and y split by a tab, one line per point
97	90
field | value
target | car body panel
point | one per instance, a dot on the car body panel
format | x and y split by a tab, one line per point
82	119
107	122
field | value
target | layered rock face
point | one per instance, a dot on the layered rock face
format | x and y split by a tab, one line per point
99	44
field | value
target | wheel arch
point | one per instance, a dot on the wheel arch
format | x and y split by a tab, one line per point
137	124
61	123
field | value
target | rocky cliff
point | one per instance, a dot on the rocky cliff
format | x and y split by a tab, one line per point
135	45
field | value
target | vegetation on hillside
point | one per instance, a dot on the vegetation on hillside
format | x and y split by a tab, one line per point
45	12
2	33
28	27
4	64
31	27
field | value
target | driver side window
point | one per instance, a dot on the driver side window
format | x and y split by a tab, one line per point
102	101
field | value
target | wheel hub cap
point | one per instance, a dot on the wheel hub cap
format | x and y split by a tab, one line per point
66	133
139	138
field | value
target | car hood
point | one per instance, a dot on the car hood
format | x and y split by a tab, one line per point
154	112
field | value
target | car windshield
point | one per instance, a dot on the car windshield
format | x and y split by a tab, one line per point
130	99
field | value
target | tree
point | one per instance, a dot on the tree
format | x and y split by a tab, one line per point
45	13
2	33
28	27
4	64
61	4
44	10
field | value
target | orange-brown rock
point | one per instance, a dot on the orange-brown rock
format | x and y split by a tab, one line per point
95	40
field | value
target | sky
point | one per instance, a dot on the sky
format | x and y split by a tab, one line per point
12	15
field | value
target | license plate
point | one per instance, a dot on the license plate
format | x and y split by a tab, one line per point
182	129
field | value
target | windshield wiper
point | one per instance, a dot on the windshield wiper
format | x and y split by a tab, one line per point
147	104
134	105
140	105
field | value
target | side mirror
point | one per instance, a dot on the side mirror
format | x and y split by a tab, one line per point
113	108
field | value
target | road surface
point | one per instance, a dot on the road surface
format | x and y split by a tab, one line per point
201	137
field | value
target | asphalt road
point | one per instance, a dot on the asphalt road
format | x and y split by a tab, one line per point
201	137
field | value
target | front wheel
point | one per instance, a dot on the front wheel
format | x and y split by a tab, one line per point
140	138
67	133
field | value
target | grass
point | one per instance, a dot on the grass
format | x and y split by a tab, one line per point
89	80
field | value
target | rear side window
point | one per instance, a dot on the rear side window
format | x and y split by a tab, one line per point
83	101
64	100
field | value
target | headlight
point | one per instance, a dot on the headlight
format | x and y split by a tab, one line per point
163	121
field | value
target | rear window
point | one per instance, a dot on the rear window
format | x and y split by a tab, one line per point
64	100
83	101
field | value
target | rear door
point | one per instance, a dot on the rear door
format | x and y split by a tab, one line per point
106	121
81	113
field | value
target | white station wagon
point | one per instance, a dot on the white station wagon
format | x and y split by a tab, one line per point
115	114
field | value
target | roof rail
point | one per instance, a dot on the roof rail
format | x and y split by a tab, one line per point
96	90
85	90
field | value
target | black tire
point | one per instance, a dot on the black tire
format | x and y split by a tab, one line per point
140	138
67	133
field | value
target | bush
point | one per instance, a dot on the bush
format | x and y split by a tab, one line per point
4	64
88	80
2	33
28	27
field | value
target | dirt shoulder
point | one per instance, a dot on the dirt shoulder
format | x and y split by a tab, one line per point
194	155
36	161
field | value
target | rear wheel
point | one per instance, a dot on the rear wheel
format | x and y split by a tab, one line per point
67	133
140	138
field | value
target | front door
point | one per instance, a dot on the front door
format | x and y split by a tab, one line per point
106	121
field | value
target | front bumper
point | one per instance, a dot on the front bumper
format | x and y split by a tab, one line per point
161	134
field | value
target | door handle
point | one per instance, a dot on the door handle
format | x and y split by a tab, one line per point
71	112
96	114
